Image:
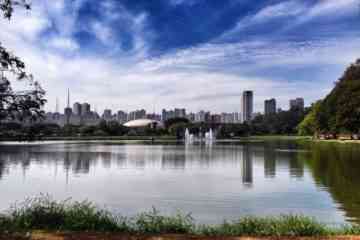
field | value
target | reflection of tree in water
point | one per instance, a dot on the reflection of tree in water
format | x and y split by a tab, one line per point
337	168
11	155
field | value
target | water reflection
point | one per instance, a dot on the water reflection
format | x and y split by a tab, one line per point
79	159
336	167
269	162
247	173
212	181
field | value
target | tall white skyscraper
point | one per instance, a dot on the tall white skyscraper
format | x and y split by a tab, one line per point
247	105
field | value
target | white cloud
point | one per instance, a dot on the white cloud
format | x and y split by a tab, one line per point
182	2
102	32
209	76
326	7
66	44
283	9
286	9
297	11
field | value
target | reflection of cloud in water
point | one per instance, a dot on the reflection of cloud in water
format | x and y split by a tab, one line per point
199	177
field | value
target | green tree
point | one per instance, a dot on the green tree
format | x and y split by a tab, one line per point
17	104
176	120
339	112
310	125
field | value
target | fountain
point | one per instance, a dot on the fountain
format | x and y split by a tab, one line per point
208	137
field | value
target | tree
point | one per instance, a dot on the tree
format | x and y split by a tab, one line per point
310	125
24	104
168	123
339	112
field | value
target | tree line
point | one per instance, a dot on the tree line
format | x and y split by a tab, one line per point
339	111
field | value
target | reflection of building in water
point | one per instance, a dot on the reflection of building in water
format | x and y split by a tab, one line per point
2	168
173	160
269	162
247	170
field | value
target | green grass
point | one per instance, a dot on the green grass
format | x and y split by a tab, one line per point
43	213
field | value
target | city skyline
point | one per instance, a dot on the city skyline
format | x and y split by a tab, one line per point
136	54
77	107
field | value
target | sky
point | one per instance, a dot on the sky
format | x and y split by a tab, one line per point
196	54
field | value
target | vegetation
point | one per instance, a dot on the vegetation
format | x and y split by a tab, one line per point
45	214
281	123
336	168
21	105
339	112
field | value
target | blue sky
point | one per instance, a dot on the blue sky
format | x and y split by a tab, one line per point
198	54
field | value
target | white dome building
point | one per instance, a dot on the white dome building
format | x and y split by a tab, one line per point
142	123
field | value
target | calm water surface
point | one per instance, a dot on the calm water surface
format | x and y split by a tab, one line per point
213	182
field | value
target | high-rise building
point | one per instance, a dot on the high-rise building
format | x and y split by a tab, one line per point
202	116
215	118
180	112
107	115
168	114
191	117
138	114
297	104
77	109
122	117
270	106
247	105
85	109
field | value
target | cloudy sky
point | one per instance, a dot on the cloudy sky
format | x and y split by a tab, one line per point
197	54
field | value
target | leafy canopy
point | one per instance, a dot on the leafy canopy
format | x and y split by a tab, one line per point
25	104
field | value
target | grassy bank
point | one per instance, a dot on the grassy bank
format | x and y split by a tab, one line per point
48	215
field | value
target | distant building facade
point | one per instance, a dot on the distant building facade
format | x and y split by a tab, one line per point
85	109
297	104
270	106
137	114
77	109
122	117
107	115
176	113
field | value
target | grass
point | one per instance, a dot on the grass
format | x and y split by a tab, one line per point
43	213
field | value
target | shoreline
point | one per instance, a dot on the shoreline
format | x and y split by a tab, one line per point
171	139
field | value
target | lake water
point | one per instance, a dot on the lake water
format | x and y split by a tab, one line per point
213	182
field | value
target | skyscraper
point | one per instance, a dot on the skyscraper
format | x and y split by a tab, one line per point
77	109
85	109
180	112
122	117
297	104
270	106
107	115
247	105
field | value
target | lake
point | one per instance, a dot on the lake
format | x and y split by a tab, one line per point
213	182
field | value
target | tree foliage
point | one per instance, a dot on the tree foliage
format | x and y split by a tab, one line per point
25	104
309	126
339	112
168	123
7	6
284	122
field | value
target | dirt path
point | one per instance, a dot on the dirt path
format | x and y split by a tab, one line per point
94	236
